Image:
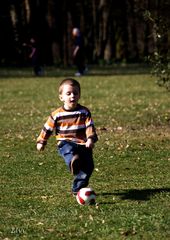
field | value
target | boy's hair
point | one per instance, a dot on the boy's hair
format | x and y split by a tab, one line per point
69	81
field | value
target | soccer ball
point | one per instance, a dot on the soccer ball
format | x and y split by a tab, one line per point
86	196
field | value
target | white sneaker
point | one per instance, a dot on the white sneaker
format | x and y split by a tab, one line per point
78	74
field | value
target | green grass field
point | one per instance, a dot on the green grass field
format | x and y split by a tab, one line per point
132	160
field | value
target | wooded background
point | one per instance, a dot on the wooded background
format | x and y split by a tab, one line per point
114	31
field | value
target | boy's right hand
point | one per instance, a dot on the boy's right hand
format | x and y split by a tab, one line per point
89	143
40	147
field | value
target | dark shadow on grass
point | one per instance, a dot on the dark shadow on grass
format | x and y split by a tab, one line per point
135	194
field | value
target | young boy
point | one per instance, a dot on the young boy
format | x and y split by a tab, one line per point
75	133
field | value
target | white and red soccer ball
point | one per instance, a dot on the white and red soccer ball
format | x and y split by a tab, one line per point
86	196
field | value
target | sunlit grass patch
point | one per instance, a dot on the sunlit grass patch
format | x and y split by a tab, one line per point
132	160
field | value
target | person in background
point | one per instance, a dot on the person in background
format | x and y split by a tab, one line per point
34	55
78	52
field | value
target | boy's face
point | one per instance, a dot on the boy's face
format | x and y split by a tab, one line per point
70	96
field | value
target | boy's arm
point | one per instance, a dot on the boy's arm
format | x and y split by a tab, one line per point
89	143
42	139
40	147
91	137
45	133
90	132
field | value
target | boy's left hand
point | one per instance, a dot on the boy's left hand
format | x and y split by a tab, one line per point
89	143
40	147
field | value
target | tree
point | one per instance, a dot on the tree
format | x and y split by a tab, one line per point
160	57
7	49
114	31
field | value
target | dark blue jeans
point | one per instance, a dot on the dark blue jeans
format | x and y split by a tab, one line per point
67	150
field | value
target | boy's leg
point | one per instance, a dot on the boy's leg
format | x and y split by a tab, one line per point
75	164
68	151
86	168
79	161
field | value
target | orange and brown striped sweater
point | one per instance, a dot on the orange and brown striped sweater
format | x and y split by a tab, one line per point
75	125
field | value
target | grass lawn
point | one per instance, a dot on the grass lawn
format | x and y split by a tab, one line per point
132	160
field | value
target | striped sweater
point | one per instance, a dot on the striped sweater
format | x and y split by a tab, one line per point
75	125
